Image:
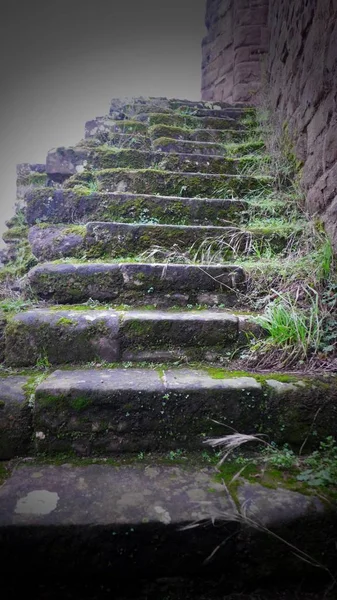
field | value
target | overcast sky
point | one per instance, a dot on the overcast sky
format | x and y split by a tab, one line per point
61	63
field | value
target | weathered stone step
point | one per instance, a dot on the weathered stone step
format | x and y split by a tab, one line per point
117	526
207	148
29	176
142	103
219	113
165	285
179	120
69	206
214	105
197	135
104	239
126	140
170	183
187	111
129	107
64	162
77	336
106	411
106	125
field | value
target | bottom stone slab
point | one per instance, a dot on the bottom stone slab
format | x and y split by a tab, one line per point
153	520
104	411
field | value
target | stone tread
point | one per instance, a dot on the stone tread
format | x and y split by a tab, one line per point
67	206
75	336
102	411
132	495
104	128
129	522
197	135
175	183
166	144
175	283
99	239
64	162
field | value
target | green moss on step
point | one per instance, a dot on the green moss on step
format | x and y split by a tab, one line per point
58	403
34	179
15	233
75	229
65	321
130	126
219	373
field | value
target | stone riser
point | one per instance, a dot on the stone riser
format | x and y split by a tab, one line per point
108	411
165	144
66	206
104	129
168	285
102	528
140	110
189	121
70	336
107	240
142	104
197	135
64	162
167	183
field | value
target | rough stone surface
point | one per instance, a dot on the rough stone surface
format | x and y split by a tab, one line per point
233	49
118	239
62	337
128	521
197	135
173	183
28	177
289	50
15	418
268	506
63	206
142	331
109	240
132	495
97	411
64	162
77	336
73	283
302	64
55	242
91	411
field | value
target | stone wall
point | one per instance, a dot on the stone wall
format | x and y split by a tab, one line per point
290	49
233	49
303	88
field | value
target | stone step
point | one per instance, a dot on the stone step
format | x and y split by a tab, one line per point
104	239
107	125
136	283
190	121
214	105
197	135
29	176
120	527
187	111
69	206
123	140
173	183
82	336
207	148
131	107
219	113
64	162
100	411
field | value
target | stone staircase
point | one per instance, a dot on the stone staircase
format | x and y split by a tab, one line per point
118	357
